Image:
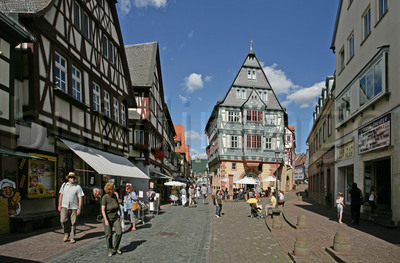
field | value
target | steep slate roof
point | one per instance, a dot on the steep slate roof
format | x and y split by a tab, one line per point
141	61
23	6
241	81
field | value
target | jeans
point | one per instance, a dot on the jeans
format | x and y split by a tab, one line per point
218	210
68	220
116	223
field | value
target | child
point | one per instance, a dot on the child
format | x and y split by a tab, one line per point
340	205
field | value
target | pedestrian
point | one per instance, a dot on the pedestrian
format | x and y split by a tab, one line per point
204	193
191	196
355	195
198	191
281	199
183	196
70	206
372	202
109	210
218	203
340	206
272	203
130	199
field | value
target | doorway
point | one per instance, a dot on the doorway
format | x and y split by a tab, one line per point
378	174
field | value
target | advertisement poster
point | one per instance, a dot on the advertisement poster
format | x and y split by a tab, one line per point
42	177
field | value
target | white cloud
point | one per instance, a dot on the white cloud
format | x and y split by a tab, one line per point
146	3
280	83
305	97
195	153
190	34
194	82
183	98
200	98
192	135
125	6
207	78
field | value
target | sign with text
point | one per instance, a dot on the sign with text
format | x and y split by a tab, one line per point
375	135
345	151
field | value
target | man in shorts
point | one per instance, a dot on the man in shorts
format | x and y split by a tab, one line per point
204	193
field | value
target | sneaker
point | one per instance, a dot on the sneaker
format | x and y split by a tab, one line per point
217	215
72	241
66	237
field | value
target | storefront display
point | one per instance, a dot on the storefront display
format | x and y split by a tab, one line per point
42	177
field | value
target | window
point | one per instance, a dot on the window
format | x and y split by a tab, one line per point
105	46
76	84
139	137
324	130
343	107
233	166
254	76
253	115
77	18
350	43
243	94
371	84
123	115
234	142
329	125
264	96
111	52
288	138
233	116
270	119
61	73
253	141
248	74
238	96
341	57
268	143
107	104
86	25
367	23
96	97
383	7
116	110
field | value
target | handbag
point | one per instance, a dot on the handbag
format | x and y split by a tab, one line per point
135	206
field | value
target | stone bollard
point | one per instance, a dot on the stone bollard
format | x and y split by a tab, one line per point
276	218
341	242
302	247
299	197
301	221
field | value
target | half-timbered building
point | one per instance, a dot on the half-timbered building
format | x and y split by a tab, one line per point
246	129
152	130
72	106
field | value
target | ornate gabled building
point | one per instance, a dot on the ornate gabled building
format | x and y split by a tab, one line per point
71	102
152	130
246	129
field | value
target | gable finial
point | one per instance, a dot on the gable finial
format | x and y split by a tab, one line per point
251	45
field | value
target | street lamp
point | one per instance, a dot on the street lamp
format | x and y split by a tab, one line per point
277	155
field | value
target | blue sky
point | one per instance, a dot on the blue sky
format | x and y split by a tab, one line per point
203	44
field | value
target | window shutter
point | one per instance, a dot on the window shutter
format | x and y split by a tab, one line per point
240	141
228	141
273	143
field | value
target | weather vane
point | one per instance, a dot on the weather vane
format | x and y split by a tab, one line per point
251	45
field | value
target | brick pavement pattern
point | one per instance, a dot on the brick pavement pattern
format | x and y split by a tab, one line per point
369	242
235	237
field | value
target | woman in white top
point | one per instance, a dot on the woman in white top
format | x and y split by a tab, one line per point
340	205
371	200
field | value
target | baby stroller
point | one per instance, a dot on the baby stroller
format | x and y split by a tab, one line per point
256	211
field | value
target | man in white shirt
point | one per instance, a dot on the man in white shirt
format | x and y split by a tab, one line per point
204	193
70	206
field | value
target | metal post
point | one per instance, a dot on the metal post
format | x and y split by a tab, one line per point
276	178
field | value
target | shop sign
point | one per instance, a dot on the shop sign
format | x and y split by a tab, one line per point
375	135
345	151
42	177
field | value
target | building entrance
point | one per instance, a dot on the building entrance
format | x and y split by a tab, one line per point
378	174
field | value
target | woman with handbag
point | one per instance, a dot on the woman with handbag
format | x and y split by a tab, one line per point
132	205
109	210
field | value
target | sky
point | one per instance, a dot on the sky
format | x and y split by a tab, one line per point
203	44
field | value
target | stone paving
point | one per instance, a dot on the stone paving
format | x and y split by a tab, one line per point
369	242
235	237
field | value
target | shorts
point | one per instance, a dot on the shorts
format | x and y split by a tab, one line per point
339	209
204	196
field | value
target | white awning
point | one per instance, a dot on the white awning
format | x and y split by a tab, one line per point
104	162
